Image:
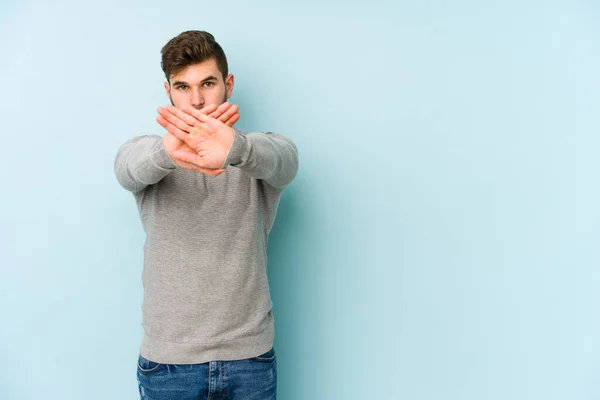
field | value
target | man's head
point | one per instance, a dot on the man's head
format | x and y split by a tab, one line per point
195	67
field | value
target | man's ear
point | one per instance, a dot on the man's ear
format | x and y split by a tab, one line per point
229	81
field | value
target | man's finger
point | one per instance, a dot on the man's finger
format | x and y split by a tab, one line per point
229	113
216	114
208	109
175	131
177	113
175	120
225	113
200	116
233	119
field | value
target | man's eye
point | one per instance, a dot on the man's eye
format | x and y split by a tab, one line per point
209	83
182	87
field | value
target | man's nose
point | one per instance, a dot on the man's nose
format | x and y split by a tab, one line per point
197	99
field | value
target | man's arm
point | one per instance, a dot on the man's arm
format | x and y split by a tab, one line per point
142	161
268	156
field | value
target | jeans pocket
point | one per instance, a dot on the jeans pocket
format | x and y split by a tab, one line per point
269	356
146	366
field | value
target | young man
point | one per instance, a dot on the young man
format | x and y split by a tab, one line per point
207	194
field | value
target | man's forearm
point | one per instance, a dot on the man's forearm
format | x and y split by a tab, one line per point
268	156
142	161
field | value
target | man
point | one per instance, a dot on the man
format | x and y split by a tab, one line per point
207	194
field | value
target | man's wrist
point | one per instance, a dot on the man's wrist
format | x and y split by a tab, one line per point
162	158
238	150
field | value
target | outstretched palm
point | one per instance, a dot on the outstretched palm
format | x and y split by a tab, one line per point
180	125
208	138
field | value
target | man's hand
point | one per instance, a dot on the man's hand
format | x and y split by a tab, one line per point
226	113
209	138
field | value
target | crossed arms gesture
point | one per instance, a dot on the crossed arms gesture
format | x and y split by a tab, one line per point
199	140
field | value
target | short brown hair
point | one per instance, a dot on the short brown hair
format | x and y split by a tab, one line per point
191	47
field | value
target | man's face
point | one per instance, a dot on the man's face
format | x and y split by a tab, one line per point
199	85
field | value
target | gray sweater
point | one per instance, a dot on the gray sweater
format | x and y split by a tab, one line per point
206	292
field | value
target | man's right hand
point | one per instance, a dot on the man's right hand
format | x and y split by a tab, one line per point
225	113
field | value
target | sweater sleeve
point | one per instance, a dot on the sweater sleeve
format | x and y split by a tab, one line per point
268	156
142	161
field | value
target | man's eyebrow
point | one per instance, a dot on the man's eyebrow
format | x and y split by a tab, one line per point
208	78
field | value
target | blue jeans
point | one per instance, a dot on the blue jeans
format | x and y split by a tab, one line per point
250	379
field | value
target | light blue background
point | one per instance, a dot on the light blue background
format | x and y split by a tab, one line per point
441	240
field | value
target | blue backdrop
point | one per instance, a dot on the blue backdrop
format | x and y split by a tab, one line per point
441	240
